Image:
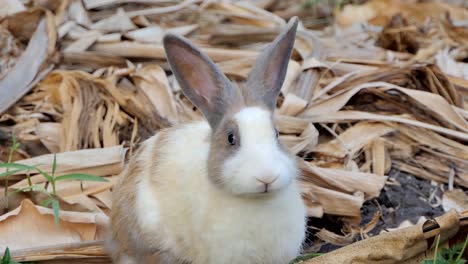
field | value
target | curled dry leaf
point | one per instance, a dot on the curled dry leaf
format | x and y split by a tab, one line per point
379	12
101	162
38	223
10	7
10	52
95	111
354	139
393	247
27	70
338	192
455	199
120	22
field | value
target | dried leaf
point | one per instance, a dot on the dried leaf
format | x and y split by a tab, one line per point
455	199
120	22
38	223
102	162
10	7
26	72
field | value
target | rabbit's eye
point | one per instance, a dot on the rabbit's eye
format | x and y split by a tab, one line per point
231	139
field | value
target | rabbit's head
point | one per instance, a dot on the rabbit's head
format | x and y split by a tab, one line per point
246	156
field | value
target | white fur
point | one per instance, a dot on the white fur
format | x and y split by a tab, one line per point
125	259
259	158
146	198
192	218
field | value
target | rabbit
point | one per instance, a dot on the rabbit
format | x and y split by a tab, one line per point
221	190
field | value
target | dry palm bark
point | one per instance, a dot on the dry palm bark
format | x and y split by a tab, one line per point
407	245
357	100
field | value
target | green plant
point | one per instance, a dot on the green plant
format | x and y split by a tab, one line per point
307	4
452	255
305	257
52	179
6	259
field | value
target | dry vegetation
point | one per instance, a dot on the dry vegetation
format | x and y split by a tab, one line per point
384	86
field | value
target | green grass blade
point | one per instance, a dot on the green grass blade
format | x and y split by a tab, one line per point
13	165
80	177
10	172
436	249
18	167
40	188
34	187
46	175
305	257
47	202
6	257
56	208
463	249
15	144
54	165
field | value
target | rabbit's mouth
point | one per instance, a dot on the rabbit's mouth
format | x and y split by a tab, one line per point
265	194
260	195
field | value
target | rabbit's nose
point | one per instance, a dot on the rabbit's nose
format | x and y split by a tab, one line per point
267	179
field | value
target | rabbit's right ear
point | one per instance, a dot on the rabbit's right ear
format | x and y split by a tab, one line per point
200	79
269	71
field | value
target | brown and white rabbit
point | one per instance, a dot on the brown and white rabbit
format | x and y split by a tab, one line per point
217	191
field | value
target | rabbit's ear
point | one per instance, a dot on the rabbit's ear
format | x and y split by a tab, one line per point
200	79
268	73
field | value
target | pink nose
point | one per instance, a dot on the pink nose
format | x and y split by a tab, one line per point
267	179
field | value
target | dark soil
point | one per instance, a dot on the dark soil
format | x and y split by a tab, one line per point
406	200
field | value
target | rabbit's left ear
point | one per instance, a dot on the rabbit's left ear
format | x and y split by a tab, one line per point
267	76
200	79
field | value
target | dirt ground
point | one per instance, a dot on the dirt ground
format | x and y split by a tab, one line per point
405	200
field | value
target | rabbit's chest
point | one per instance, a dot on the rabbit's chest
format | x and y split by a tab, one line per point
254	233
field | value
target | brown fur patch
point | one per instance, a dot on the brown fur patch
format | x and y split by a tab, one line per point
126	235
220	149
123	216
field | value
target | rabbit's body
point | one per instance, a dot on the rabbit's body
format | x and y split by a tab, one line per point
179	212
219	191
